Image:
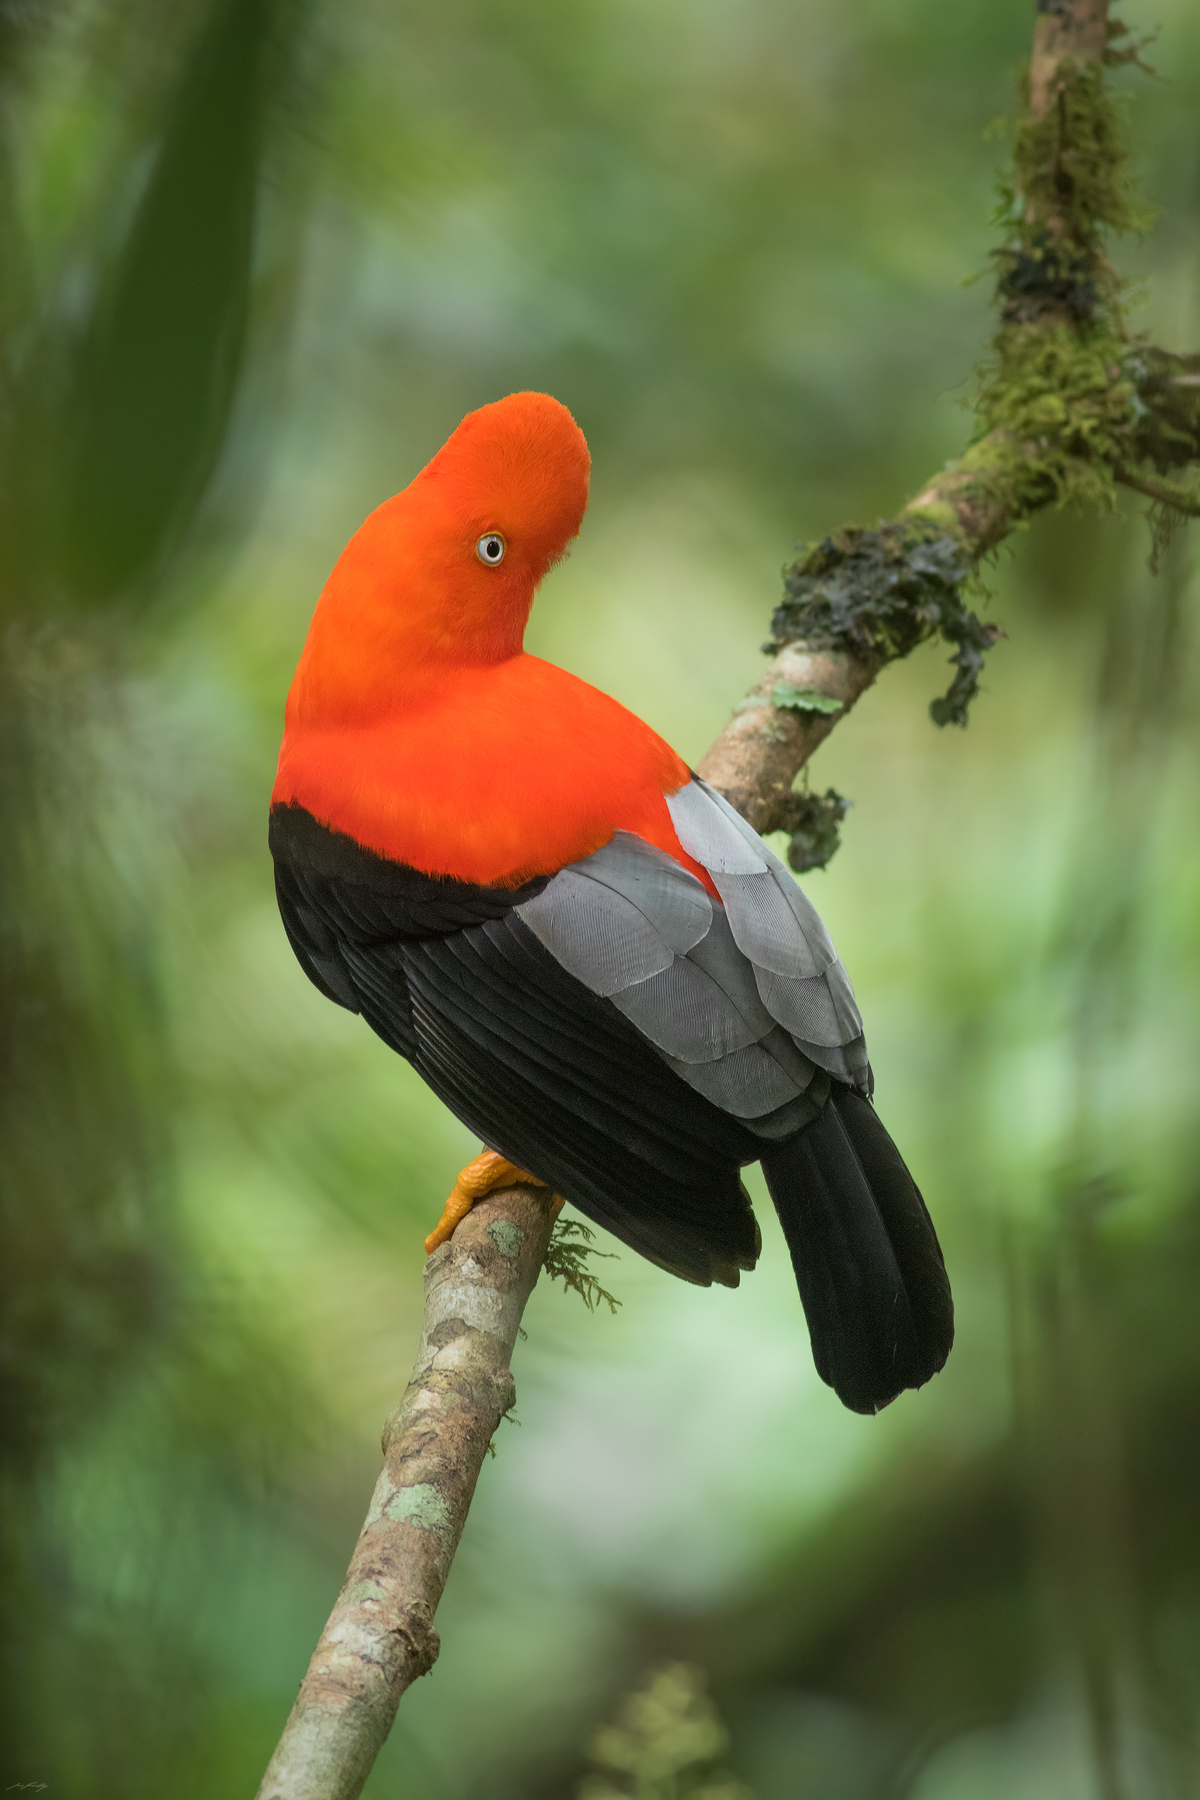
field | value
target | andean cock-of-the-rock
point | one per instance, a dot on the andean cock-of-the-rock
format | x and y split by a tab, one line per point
583	949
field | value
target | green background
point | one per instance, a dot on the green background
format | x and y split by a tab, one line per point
258	261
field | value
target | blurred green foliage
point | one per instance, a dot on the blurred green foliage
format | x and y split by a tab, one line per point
664	1744
257	262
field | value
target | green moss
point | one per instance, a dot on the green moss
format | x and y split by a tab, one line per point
1063	407
803	699
1057	403
1167	428
1070	170
936	516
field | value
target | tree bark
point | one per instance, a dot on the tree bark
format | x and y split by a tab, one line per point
1069	30
380	1635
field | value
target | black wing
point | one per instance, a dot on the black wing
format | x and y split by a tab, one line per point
540	1067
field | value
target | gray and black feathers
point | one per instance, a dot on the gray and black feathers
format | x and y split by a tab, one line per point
634	1044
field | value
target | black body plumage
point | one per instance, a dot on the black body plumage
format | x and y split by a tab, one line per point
631	1043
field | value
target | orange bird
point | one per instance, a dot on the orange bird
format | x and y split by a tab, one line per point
582	948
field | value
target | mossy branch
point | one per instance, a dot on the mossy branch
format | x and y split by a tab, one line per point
1068	406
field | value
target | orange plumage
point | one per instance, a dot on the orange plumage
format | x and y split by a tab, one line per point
417	723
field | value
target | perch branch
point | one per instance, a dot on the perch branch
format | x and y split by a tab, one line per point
380	1635
1069	407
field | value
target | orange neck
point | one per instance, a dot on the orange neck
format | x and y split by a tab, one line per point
500	773
405	607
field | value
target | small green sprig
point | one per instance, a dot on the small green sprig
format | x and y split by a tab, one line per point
566	1261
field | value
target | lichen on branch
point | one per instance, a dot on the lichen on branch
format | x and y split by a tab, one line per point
813	823
878	593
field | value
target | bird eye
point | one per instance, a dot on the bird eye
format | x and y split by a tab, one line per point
490	548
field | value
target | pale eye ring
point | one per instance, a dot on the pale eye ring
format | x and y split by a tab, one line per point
490	548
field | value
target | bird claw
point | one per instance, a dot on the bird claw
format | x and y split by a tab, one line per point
489	1170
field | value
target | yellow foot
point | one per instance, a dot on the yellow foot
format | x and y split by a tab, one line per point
491	1170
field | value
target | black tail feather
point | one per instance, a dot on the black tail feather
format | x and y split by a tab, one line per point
866	1256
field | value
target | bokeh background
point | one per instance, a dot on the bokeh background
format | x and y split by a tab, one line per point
258	258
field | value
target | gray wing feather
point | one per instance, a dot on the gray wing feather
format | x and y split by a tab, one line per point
746	1001
747	1082
684	1012
620	915
795	1114
844	1001
806	1008
604	940
712	835
763	902
718	955
806	914
800	979
672	900
849	1063
767	928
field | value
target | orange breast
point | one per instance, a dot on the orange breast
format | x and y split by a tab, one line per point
507	771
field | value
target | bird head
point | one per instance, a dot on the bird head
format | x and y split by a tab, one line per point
504	496
444	573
